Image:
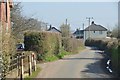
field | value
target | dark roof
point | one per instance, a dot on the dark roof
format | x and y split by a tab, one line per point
79	31
95	27
53	28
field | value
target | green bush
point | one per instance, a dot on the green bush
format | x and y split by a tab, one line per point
115	59
8	50
62	53
119	59
46	44
71	44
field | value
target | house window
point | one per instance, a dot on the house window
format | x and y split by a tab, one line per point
94	31
100	32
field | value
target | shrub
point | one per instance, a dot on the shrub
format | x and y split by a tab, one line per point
115	59
62	53
45	44
71	44
119	58
8	49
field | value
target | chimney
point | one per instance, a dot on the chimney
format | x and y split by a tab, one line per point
77	29
92	22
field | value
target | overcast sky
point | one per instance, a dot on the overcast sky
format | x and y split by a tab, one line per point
55	13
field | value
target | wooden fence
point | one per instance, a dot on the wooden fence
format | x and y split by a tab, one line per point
23	64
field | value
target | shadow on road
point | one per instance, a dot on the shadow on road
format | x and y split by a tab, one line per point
93	68
98	69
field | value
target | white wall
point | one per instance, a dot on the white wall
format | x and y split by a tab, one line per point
95	35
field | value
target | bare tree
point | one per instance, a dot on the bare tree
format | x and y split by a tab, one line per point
65	29
21	23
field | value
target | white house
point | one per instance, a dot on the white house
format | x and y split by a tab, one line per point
95	31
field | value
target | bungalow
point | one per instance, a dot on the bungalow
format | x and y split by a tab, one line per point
53	29
95	31
78	33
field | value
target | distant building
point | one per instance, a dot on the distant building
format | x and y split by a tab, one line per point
79	34
53	29
95	31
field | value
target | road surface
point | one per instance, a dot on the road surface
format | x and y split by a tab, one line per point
86	64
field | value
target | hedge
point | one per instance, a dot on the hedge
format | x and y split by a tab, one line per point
49	46
71	44
111	48
115	58
45	44
102	44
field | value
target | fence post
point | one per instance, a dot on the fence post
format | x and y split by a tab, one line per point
22	70
34	61
18	65
30	69
34	65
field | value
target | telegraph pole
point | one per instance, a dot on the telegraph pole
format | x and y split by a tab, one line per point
89	20
66	21
83	32
83	26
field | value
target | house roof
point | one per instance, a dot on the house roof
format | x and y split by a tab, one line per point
78	31
95	27
53	29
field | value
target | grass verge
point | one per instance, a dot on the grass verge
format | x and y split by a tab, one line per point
51	58
63	52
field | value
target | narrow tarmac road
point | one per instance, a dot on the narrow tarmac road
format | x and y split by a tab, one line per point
86	64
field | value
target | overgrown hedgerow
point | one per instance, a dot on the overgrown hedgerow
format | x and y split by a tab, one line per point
71	44
45	44
111	48
50	46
